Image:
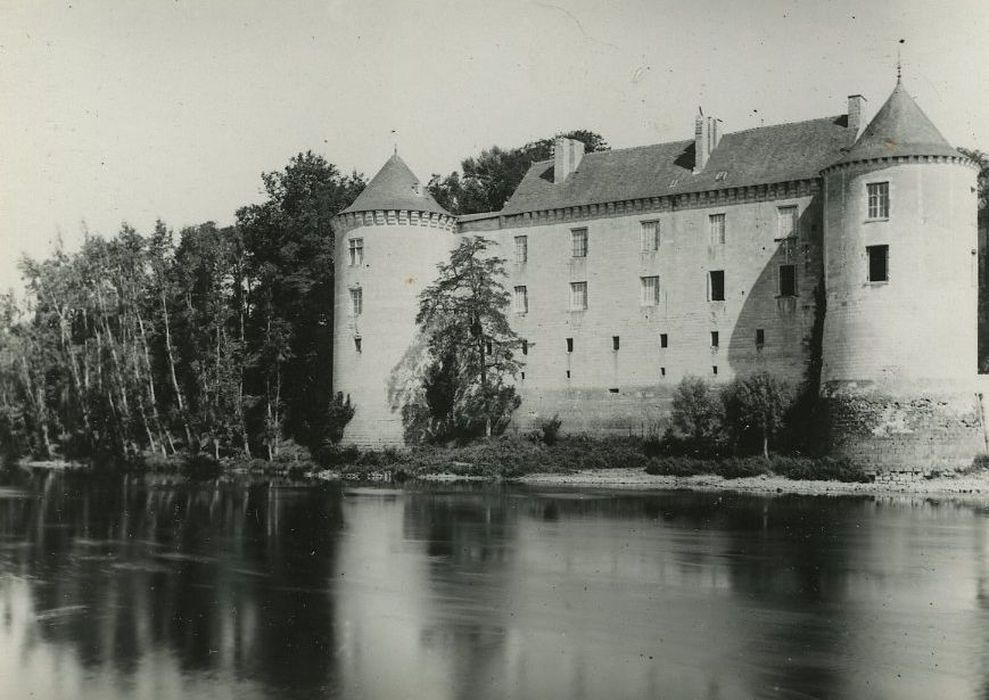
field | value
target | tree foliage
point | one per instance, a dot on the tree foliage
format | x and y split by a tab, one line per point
455	381
487	181
217	341
756	408
696	416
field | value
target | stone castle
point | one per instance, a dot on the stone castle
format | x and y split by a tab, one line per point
828	242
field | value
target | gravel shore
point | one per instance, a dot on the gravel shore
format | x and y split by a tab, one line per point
976	485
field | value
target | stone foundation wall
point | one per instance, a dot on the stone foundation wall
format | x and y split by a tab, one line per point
920	427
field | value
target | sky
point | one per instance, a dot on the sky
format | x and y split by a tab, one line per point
120	110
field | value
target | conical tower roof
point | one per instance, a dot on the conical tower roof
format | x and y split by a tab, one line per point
395	187
900	128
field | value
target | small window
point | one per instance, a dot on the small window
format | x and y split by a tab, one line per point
715	339
521	300
662	371
664	340
786	221
356	301
578	296
788	280
878	263
613	390
355	246
568	374
878	200
650	290
578	242
760	337
569	344
525	347
523	376
521	250
716	285
616	342
714	369
717	223
357	343
650	236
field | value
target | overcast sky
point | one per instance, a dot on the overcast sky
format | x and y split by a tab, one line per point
118	111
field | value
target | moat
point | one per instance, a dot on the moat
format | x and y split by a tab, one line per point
155	587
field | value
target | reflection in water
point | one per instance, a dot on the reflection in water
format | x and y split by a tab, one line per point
140	587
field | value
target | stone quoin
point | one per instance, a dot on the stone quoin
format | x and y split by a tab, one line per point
771	249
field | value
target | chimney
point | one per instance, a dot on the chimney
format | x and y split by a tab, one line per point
856	106
707	135
567	154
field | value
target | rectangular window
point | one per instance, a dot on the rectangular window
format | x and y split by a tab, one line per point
355	246
716	285
878	200
715	339
616	342
878	263
569	344
521	250
662	371
650	291
578	296
717	229
786	221
525	347
788	280
664	340
358	344
760	337
356	302
521	300
714	369
578	242
650	236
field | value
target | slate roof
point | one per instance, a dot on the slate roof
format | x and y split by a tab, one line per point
763	155
395	187
900	128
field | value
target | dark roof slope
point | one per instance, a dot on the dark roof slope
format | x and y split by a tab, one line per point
900	128
395	187
757	156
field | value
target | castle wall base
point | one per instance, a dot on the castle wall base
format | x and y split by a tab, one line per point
907	425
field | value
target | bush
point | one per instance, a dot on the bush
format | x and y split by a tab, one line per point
697	414
823	468
551	430
338	414
795	468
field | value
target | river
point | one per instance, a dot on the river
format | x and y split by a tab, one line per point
154	587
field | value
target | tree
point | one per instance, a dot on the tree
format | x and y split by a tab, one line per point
696	414
459	382
490	179
757	405
982	160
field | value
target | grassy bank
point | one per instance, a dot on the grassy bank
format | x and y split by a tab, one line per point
514	457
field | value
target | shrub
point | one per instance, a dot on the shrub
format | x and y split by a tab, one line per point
551	430
824	469
338	414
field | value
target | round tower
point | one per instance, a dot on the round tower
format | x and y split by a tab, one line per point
899	355
388	243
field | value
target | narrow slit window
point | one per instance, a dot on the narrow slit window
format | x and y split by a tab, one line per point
649	290
878	200
569	344
760	337
662	371
358	346
616	342
568	374
578	242
716	285
525	347
788	280
714	369
878	263
664	340
715	339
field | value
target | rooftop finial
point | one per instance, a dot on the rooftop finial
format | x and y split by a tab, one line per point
394	133
899	62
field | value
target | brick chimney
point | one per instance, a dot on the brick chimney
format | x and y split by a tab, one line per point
856	116
567	154
707	135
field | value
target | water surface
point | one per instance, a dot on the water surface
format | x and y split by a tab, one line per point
132	587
